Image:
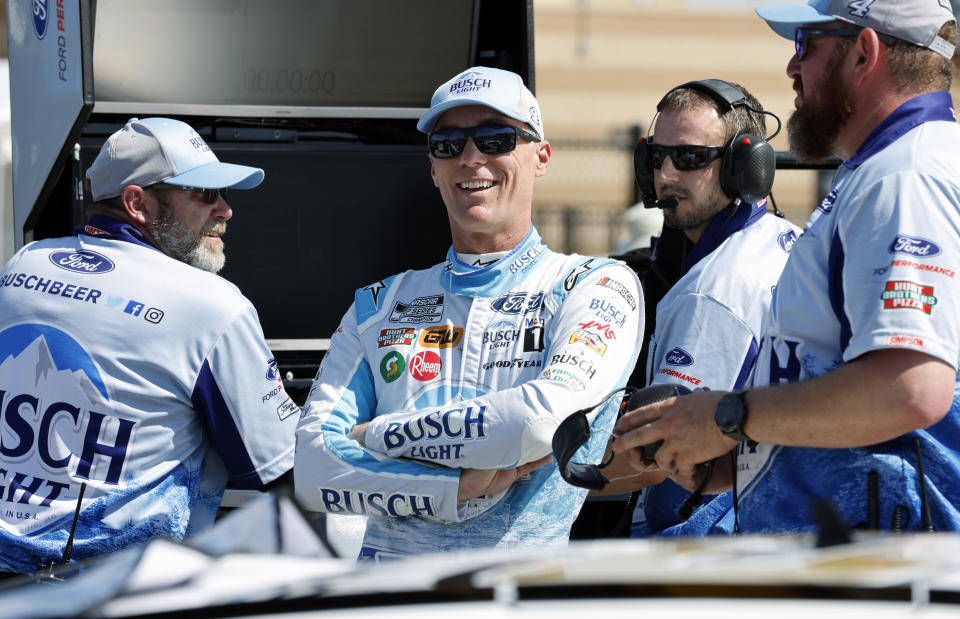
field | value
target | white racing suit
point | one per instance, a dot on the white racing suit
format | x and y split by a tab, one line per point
459	367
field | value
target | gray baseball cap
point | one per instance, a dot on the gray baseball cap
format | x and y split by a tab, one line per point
151	150
500	90
914	21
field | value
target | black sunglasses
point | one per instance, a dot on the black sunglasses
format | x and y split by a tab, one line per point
686	157
489	139
209	196
802	36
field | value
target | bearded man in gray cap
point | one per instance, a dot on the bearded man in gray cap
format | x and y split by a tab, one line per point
435	406
855	397
124	359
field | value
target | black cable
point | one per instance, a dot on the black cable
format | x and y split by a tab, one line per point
924	502
68	550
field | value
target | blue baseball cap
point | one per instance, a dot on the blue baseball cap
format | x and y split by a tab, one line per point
497	89
152	150
914	21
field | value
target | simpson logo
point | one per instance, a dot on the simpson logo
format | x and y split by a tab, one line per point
517	303
403	336
421	309
592	341
905	340
425	365
94	231
913	246
392	366
84	261
909	295
613	284
441	337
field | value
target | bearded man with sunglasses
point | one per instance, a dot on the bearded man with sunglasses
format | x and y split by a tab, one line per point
133	379
855	397
434	409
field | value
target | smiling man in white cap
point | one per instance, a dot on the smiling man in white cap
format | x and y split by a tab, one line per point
124	359
435	406
854	400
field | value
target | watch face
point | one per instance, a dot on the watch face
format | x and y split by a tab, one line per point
729	413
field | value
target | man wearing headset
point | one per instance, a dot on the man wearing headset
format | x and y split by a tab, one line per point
434	408
855	395
709	168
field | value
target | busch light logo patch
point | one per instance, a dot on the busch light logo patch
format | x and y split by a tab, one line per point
786	240
827	204
469	83
40	18
678	356
58	429
517	303
913	246
525	259
82	261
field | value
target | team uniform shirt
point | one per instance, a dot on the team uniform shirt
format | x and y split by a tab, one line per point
464	367
119	368
875	268
708	330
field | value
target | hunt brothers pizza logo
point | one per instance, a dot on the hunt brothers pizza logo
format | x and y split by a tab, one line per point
903	294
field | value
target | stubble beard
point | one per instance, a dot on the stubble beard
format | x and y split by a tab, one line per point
696	213
181	243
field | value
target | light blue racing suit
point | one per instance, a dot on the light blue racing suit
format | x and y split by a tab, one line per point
464	367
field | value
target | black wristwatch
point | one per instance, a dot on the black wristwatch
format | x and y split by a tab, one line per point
731	414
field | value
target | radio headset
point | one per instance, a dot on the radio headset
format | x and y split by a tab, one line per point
748	163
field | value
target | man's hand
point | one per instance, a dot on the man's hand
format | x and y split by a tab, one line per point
480	482
686	426
358	433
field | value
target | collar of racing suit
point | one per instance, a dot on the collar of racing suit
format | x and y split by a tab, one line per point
737	216
922	108
106	227
499	277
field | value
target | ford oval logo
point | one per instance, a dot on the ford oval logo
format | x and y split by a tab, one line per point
83	261
678	356
786	240
273	370
913	246
40	17
517	303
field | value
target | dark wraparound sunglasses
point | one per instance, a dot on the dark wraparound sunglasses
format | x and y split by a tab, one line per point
209	196
489	139
685	158
802	36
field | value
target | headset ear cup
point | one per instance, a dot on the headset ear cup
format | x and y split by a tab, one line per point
748	167
643	169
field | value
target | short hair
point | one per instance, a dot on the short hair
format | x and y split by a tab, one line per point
916	69
734	121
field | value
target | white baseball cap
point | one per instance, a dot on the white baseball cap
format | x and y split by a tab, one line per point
152	150
498	89
914	21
